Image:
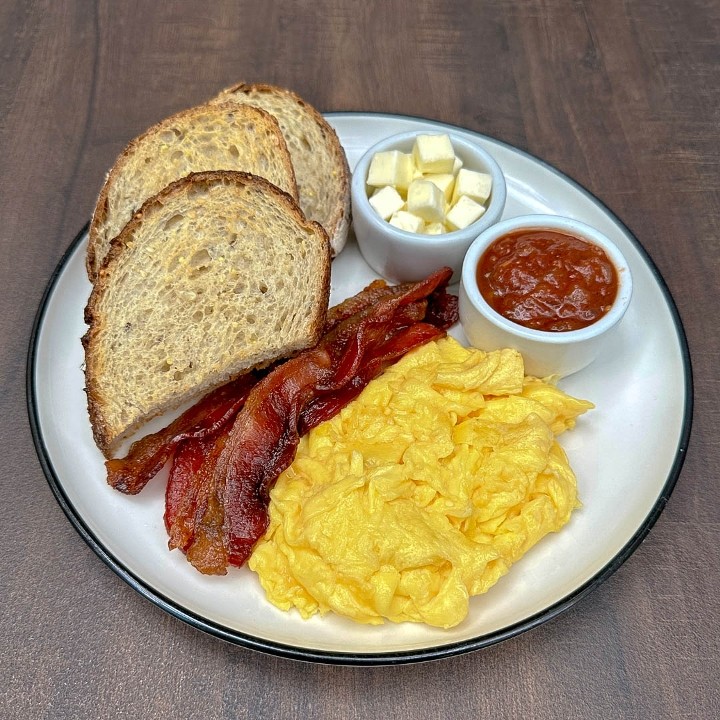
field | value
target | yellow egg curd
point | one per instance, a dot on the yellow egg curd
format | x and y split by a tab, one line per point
422	492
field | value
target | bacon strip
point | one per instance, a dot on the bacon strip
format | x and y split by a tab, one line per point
202	504
375	291
326	407
265	434
183	492
379	290
147	455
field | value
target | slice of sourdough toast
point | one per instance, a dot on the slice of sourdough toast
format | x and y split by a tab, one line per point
321	167
217	274
209	137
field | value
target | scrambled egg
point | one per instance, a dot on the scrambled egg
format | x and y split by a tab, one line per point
422	492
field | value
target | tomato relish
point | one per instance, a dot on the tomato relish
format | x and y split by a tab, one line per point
547	280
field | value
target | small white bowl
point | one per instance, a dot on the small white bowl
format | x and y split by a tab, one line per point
404	256
545	352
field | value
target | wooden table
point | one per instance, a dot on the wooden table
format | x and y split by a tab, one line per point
621	96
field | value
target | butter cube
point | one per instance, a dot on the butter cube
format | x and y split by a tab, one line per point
464	212
434	228
391	168
425	199
434	154
456	166
446	183
386	201
406	172
475	185
407	221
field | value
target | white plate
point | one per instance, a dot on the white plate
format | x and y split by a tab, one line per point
627	453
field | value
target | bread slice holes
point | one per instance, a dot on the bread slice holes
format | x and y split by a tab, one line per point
306	143
200	260
250	319
234	152
263	288
197	191
173	222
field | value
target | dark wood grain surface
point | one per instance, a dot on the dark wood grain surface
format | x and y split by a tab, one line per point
623	96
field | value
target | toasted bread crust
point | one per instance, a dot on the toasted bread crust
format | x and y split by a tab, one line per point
188	118
109	435
335	217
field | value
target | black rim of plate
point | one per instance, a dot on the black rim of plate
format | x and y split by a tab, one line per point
372	658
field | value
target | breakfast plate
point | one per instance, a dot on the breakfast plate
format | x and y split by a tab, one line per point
627	453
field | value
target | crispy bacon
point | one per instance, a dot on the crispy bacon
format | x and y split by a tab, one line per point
325	407
202	543
375	291
183	492
442	309
147	455
294	396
